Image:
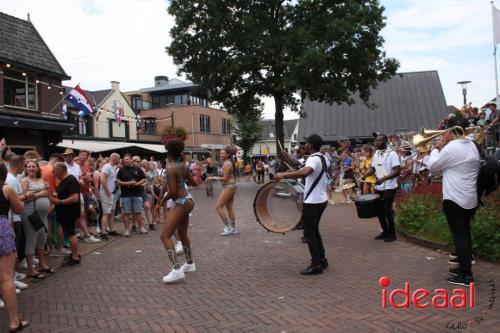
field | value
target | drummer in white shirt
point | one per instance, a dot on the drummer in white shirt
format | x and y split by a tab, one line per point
387	167
315	200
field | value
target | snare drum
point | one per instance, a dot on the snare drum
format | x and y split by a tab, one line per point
278	205
368	205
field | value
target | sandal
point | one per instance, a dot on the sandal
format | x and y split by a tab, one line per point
22	325
49	270
38	276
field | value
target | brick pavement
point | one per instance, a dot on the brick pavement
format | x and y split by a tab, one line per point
250	282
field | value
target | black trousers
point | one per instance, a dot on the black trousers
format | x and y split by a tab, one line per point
386	214
20	240
459	222
311	215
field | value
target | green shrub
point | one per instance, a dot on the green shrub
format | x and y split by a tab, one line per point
420	214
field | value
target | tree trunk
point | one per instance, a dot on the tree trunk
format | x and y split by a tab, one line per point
278	120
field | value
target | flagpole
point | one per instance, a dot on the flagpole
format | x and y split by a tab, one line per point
494	52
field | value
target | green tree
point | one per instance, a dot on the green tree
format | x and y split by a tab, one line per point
247	128
326	50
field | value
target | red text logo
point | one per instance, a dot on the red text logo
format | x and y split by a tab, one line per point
422	298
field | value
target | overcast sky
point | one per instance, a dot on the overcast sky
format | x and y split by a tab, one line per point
97	41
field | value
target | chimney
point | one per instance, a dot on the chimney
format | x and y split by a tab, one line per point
161	80
115	85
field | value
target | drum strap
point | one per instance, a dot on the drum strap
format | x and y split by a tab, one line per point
316	181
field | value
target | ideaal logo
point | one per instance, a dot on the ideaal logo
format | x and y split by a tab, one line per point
440	299
461	298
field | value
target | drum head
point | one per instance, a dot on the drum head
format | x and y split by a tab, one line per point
368	197
278	205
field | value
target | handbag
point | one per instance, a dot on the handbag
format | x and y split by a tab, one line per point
35	219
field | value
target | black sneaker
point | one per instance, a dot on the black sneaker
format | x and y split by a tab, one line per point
390	239
113	233
312	270
461	280
104	237
324	263
454	271
152	227
455	261
134	228
380	236
453	255
72	262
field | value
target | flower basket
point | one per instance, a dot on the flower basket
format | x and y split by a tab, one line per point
170	133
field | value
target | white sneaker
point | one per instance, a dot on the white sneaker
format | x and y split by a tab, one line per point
20	285
143	230
91	239
331	202
65	252
174	276
98	230
19	276
178	248
35	261
2	304
348	201
188	268
18	291
23	264
234	230
227	231
126	233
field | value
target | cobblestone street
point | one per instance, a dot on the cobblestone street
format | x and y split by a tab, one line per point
250	282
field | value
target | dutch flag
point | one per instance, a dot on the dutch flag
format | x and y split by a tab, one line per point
78	98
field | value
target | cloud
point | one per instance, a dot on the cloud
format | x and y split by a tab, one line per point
453	37
100	41
124	40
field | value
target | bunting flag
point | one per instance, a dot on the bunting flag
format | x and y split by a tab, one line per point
119	115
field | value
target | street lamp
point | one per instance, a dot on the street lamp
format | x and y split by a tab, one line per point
463	85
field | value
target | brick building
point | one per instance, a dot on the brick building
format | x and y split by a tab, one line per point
180	104
30	88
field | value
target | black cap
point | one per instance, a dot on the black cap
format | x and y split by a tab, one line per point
315	140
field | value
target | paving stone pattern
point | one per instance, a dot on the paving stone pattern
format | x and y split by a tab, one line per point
250	282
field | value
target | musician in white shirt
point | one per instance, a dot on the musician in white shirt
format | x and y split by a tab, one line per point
459	161
386	165
315	200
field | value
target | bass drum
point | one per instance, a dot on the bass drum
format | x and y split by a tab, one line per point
368	205
278	205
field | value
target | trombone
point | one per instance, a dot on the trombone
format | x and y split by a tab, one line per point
423	142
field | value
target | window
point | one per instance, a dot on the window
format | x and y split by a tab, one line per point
178	99
150	126
295	137
136	103
20	91
226	126
204	123
82	126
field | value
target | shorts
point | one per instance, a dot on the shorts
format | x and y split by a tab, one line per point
68	227
107	202
148	196
132	204
7	238
170	204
